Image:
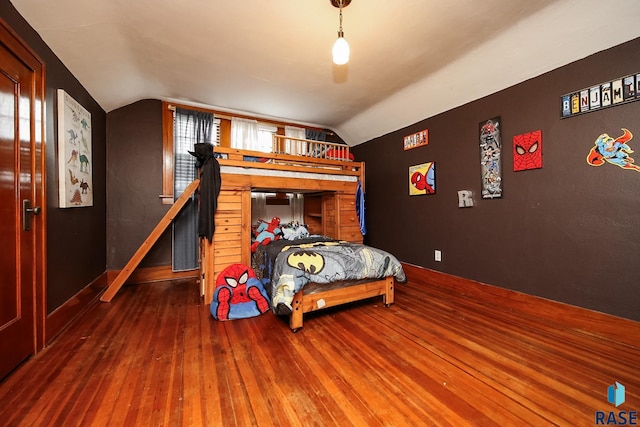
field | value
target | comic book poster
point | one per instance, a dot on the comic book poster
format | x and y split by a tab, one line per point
491	158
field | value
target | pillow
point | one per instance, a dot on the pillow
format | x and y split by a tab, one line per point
294	230
334	154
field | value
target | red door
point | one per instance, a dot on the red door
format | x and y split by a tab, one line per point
18	231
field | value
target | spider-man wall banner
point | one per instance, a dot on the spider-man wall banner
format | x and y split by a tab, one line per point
490	158
527	151
422	179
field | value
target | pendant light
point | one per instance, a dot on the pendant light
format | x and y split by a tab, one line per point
340	49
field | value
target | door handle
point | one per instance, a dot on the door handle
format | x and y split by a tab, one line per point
27	210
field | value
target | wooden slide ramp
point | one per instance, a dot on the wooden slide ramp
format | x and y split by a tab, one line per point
167	219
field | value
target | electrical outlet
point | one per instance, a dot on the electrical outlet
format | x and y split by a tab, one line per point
438	255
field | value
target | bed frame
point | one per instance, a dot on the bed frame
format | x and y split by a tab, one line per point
318	296
304	168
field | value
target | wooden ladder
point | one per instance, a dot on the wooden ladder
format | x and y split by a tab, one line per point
122	277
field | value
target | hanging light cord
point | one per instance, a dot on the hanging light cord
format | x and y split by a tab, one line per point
340	33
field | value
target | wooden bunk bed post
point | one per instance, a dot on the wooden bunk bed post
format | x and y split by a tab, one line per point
389	291
295	320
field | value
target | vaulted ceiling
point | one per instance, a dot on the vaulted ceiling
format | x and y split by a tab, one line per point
410	59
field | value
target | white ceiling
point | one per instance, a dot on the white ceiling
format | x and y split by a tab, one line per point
410	59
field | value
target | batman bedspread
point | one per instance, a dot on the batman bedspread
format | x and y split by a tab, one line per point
287	266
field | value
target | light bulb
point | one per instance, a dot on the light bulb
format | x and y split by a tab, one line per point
340	51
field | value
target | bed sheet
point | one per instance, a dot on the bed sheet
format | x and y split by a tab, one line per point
286	266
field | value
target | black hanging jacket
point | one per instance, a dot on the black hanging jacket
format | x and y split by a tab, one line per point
210	183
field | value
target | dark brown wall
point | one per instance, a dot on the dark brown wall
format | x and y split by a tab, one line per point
134	176
75	236
569	231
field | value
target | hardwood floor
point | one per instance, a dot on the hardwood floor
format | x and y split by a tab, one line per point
448	352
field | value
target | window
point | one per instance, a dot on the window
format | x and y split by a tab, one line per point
189	128
178	139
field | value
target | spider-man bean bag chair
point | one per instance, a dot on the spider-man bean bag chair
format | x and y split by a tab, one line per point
238	294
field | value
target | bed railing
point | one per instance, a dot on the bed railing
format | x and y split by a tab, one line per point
310	148
298	158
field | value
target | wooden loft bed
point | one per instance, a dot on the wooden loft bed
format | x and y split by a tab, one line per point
330	180
329	183
309	167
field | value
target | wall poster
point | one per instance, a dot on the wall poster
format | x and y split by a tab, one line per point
614	151
74	153
422	179
527	151
491	158
417	139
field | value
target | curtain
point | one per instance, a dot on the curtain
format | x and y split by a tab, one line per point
244	134
293	146
296	202
190	127
316	135
258	207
